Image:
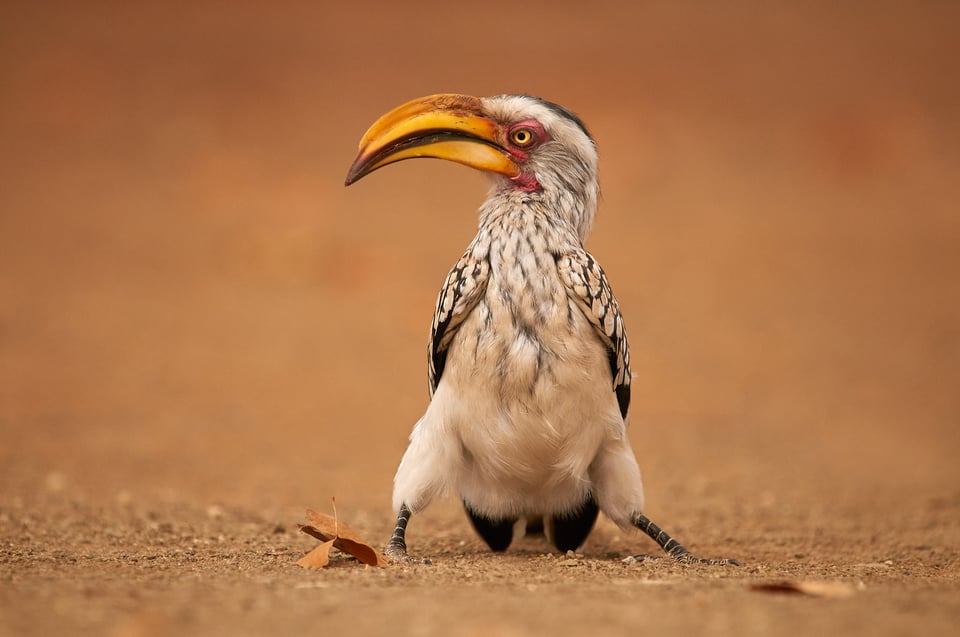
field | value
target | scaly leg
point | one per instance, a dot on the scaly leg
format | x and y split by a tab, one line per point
397	546
671	546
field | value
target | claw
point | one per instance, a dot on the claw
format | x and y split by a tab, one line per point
683	556
397	554
692	559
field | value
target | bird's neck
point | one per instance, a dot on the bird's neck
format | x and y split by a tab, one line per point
563	220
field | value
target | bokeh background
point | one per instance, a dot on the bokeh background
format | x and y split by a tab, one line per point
193	306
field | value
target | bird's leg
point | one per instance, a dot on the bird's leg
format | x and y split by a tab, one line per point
673	548
397	546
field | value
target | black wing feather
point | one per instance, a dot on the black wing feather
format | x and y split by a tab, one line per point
587	285
462	290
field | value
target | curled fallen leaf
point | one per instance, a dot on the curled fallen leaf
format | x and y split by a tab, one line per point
332	532
318	557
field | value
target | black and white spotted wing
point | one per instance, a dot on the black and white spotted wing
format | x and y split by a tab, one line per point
588	287
464	287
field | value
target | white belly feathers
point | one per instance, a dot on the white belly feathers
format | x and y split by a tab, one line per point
525	401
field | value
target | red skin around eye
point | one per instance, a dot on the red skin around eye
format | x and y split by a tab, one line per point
526	181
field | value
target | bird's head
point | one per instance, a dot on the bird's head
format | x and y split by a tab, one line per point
536	151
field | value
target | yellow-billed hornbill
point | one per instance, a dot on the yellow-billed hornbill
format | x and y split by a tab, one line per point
529	368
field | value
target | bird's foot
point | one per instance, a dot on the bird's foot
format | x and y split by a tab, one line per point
683	556
396	550
673	548
397	554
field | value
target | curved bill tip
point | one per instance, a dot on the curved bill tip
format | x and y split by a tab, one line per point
358	169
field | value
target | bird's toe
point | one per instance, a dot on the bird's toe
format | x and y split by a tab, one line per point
398	555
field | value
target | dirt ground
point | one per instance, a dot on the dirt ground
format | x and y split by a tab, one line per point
203	333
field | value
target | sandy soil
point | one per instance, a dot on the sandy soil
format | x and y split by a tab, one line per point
202	333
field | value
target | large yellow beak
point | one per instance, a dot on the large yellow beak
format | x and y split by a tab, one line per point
445	126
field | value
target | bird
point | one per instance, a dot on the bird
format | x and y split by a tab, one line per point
528	361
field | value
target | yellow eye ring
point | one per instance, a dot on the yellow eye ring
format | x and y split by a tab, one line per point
522	137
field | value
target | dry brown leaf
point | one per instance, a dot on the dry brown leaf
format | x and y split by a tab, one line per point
362	551
328	528
814	588
318	557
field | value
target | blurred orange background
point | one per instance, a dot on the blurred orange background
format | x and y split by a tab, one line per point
192	303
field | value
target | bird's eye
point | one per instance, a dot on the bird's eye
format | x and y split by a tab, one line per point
522	137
